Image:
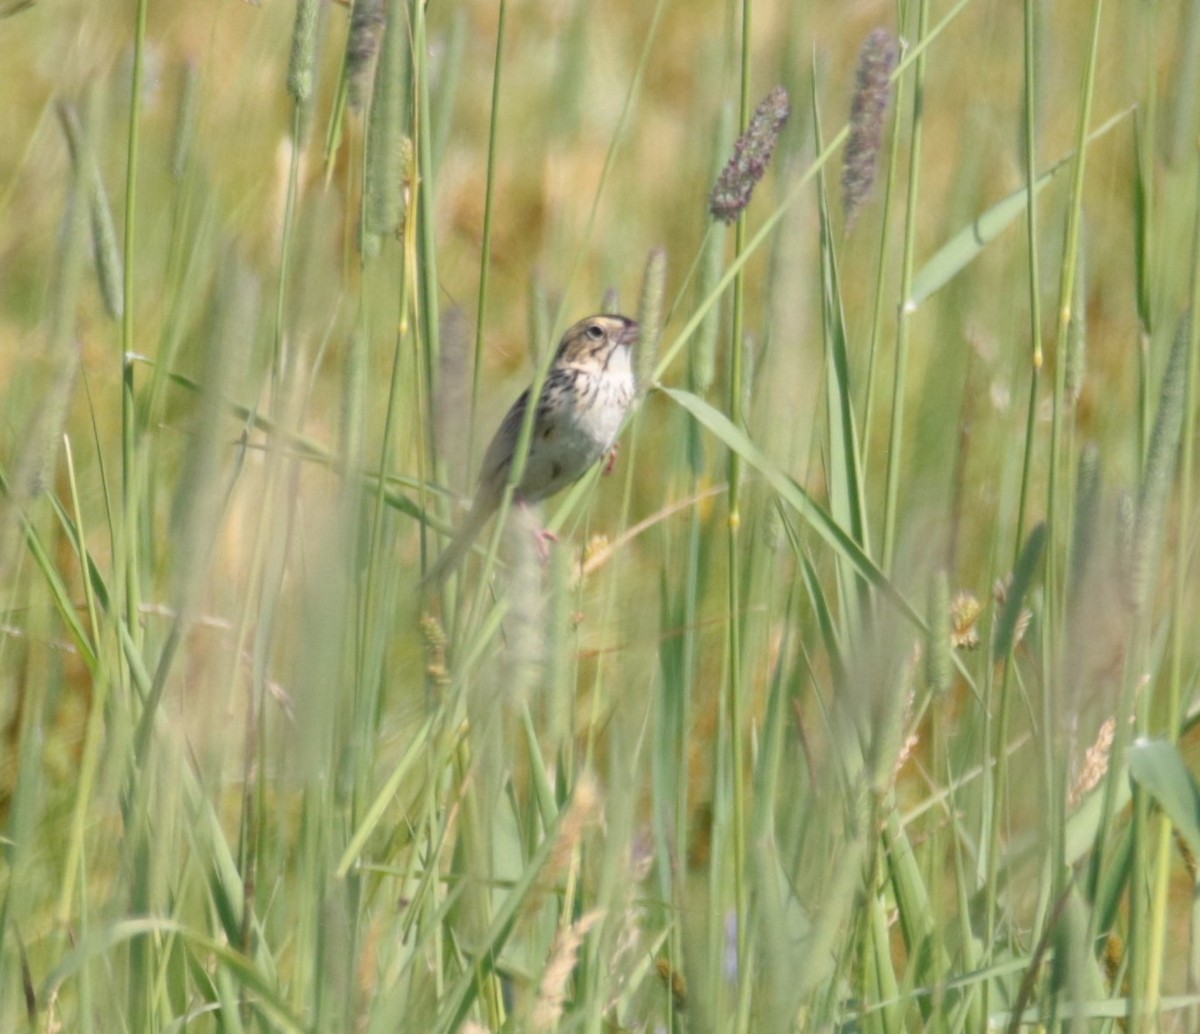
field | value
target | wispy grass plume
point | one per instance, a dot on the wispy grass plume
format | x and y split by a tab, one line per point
525	623
552	993
1095	764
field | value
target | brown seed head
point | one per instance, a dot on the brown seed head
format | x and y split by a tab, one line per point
751	155
872	89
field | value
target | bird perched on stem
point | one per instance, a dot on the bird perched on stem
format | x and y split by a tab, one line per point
586	395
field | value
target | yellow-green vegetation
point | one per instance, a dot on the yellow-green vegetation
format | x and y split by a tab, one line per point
857	697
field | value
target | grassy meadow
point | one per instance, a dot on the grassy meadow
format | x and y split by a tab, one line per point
860	696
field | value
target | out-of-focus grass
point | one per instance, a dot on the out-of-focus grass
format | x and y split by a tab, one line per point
689	773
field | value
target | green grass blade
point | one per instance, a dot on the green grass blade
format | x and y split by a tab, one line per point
796	497
965	246
1160	768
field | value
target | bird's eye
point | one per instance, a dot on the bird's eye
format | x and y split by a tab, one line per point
595	332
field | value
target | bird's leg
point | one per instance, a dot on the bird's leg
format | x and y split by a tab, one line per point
544	536
610	461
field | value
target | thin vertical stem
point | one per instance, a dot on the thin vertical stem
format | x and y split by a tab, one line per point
125	561
736	713
427	267
1067	296
485	257
1031	232
904	318
1164	843
877	313
1055	791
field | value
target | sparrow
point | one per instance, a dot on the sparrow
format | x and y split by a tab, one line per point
585	398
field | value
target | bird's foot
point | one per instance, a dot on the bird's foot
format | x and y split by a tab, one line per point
610	462
544	537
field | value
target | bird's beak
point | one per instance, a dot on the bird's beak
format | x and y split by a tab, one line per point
630	333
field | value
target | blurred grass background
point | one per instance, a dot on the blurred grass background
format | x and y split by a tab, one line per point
893	737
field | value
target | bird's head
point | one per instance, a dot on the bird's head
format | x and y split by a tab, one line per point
598	339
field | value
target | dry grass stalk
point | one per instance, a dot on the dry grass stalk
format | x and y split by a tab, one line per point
582	813
552	993
1095	764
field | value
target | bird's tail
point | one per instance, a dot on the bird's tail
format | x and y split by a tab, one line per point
461	543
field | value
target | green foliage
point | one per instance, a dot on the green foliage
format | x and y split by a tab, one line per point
806	722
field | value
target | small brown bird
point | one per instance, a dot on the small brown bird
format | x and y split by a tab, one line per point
587	393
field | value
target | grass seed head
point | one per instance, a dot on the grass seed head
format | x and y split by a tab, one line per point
1095	764
939	666
304	48
751	155
552	993
965	610
872	91
367	20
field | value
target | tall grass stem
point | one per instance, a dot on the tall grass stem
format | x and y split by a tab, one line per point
904	318
485	248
